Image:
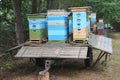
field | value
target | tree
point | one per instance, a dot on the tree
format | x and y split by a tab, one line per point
34	6
18	21
109	10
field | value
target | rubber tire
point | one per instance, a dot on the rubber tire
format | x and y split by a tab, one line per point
88	62
39	62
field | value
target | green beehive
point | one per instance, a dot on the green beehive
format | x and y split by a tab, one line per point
37	27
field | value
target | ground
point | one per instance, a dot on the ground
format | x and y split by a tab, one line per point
24	69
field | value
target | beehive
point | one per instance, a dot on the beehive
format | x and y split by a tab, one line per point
57	26
100	27
93	22
37	27
88	25
70	26
80	23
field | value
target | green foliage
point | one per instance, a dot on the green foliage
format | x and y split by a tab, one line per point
71	3
6	15
6	24
5	64
107	9
78	3
8	65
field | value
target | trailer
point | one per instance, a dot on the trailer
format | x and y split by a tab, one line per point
61	45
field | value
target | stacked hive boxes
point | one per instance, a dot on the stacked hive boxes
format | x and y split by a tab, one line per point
37	27
80	23
57	25
100	27
93	22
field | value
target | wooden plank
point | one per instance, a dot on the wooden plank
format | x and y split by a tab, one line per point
32	52
83	52
69	52
21	52
37	52
56	51
50	51
56	12
80	9
100	42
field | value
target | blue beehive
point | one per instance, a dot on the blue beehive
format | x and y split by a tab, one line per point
70	26
79	20
57	27
80	25
93	18
88	24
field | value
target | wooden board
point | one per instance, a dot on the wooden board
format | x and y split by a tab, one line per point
56	12
79	9
101	43
53	50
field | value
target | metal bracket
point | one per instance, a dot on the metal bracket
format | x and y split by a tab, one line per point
102	53
48	64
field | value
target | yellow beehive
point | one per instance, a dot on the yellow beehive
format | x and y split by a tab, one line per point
80	34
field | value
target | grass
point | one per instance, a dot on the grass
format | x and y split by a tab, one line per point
114	69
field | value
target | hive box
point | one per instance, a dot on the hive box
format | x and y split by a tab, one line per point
93	22
80	35
80	23
37	27
88	25
57	27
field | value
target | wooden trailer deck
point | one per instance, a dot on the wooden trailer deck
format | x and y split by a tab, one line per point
53	50
65	50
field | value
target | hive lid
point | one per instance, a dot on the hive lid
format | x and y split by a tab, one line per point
79	9
36	16
56	12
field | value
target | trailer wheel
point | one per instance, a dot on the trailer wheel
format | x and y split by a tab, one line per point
88	62
40	62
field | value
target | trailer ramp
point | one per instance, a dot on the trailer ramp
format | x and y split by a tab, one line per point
100	42
53	50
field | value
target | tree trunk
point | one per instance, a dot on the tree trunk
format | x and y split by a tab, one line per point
18	22
34	6
48	4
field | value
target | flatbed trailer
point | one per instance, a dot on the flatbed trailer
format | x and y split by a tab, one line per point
62	44
51	51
